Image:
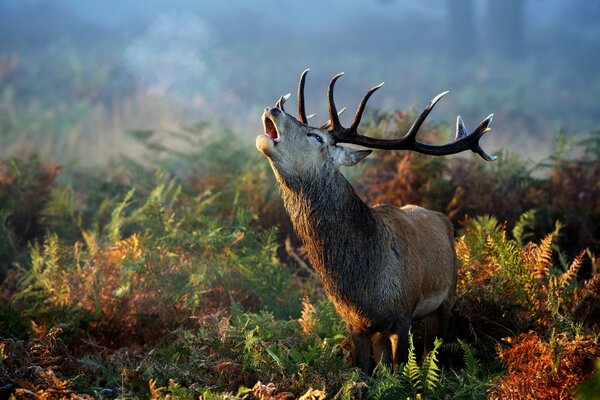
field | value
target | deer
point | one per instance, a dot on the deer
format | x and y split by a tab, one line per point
383	267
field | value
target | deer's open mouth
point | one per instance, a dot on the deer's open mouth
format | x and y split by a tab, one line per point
271	129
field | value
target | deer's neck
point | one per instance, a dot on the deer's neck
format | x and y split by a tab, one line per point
338	229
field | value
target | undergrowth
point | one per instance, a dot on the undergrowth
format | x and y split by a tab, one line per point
169	280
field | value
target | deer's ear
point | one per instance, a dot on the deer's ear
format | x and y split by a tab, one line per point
347	156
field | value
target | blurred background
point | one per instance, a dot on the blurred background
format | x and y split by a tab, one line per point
76	77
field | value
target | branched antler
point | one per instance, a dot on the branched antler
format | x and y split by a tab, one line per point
463	140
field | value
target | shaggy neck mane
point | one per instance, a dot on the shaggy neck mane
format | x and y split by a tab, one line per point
337	228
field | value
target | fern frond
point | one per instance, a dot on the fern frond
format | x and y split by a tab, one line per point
116	220
156	393
505	254
430	372
526	221
483	227
307	316
471	364
411	370
463	252
571	273
543	257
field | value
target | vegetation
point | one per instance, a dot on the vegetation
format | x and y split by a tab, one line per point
161	264
142	281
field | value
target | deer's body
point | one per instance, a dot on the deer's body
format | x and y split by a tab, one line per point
384	266
375	262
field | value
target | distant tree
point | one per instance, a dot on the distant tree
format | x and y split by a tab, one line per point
506	27
583	15
461	29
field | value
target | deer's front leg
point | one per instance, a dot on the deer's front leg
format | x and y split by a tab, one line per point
361	351
382	349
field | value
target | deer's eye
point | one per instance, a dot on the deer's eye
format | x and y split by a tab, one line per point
314	136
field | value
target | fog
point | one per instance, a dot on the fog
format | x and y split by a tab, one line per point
100	67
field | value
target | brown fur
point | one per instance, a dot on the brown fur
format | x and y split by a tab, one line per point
381	266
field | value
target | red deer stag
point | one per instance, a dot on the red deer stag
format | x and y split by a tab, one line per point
383	266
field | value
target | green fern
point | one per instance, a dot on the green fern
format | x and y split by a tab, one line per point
473	381
430	372
116	220
330	326
526	222
387	385
43	281
479	231
471	363
411	370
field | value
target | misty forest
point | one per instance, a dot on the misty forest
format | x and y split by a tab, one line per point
163	235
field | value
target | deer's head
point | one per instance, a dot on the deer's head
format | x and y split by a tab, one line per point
296	149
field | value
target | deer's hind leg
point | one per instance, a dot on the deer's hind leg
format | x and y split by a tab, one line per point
435	325
399	342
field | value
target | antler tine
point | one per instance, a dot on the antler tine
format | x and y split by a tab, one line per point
479	131
361	107
327	124
411	135
461	130
406	140
333	114
301	109
282	100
